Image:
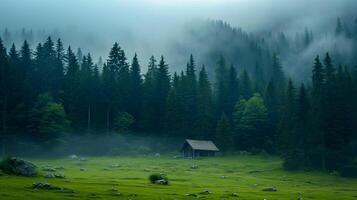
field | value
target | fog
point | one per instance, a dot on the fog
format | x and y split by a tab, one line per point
152	26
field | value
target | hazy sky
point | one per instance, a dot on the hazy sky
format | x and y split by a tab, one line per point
145	26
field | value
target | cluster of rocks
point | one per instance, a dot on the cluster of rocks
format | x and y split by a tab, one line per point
45	186
75	157
53	175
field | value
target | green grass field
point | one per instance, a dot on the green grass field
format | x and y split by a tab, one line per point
244	175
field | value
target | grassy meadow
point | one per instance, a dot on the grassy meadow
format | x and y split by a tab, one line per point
127	178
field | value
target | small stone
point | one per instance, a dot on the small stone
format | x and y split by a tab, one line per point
157	155
192	195
49	169
58	167
114	165
270	189
73	156
162	182
234	194
223	177
205	192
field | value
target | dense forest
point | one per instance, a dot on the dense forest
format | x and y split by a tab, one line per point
311	124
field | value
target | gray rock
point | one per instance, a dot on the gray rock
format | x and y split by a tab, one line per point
192	195
114	166
270	189
52	175
205	192
83	159
234	194
157	155
58	167
162	182
73	156
45	186
49	169
20	167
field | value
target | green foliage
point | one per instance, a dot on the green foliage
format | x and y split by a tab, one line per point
224	133
5	164
124	122
47	118
156	177
250	132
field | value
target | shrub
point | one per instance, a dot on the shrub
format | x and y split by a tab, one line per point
5	165
154	178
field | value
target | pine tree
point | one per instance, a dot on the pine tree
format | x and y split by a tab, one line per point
245	85
223	135
204	106
233	88
5	74
316	139
149	117
162	90
190	98
72	81
136	89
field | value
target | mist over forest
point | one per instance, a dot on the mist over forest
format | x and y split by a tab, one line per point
180	28
259	90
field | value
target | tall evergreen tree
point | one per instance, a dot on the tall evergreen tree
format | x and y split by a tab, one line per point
136	89
204	106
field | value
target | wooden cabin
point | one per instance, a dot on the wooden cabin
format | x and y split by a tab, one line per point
198	148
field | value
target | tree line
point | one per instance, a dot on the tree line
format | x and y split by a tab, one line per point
49	90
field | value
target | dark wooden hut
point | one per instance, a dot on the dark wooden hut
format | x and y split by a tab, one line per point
198	148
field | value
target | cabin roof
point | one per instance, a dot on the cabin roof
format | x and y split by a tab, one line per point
206	145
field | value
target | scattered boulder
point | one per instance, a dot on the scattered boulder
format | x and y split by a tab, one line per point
45	186
73	157
52	175
157	154
114	166
205	192
162	182
13	165
224	177
49	169
147	170
192	195
58	167
234	194
270	189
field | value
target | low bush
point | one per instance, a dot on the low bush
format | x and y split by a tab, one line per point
155	178
5	165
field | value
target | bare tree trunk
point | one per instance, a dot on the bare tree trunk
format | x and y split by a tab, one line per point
89	117
4	125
